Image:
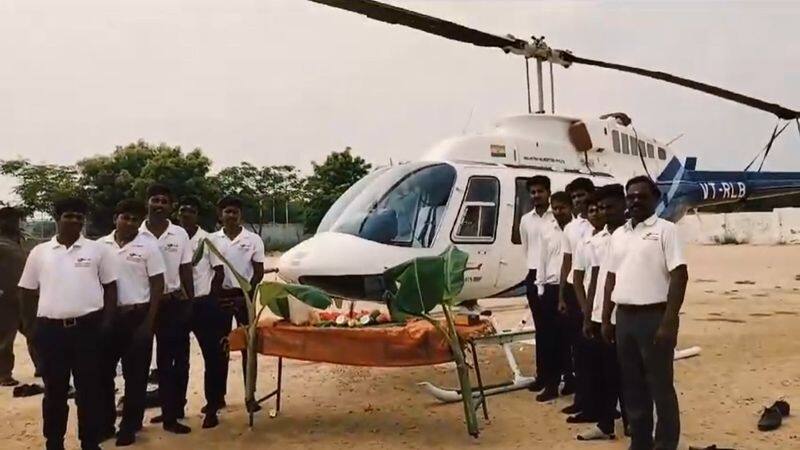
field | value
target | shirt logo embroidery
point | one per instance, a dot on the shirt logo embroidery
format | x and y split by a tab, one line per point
171	247
134	257
83	262
651	236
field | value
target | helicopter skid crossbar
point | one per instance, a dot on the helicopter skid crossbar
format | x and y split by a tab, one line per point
519	381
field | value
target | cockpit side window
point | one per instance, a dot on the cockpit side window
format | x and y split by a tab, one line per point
615	140
477	220
662	154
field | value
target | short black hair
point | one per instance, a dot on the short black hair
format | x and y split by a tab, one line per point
189	200
644	180
611	191
594	198
561	197
159	189
538	180
70	204
131	206
580	184
229	200
10	213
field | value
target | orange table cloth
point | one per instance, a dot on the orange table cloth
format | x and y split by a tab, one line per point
416	343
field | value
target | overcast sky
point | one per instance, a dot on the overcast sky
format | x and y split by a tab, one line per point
287	81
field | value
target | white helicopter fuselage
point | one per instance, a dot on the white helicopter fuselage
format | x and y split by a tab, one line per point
468	191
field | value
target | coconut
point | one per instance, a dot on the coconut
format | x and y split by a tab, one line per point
341	320
365	320
352	323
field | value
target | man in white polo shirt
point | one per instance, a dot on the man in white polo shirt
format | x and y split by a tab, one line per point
539	191
548	271
172	329
210	322
139	289
603	364
646	280
573	345
244	250
76	283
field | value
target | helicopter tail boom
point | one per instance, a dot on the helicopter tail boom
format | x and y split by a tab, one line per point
684	188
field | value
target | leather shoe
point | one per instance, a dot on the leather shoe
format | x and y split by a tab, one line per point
572	409
568	388
548	394
536	386
177	428
125	438
770	419
210	421
582	418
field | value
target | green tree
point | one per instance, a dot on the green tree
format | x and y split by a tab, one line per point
329	181
129	170
39	185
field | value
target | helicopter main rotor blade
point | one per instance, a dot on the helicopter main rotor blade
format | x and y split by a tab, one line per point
774	108
429	24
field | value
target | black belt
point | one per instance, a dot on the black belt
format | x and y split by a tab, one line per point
642	308
131	308
74	321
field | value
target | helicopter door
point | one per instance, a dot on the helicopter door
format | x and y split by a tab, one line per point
475	230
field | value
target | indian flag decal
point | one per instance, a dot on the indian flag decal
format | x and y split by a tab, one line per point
498	150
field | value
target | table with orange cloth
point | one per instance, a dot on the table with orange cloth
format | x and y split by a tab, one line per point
415	343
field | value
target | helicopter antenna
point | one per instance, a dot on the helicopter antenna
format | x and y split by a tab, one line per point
536	48
673	140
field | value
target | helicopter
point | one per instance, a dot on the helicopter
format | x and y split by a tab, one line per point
470	190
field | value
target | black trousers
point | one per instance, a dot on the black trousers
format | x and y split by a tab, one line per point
647	378
572	346
544	309
242	318
211	325
134	349
172	356
70	348
603	380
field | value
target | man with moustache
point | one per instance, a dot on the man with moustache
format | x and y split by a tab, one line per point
76	283
646	284
172	329
139	289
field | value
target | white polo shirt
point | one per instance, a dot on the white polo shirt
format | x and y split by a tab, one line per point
70	280
582	260
642	258
576	231
203	271
552	242
137	261
175	249
529	232
242	251
599	244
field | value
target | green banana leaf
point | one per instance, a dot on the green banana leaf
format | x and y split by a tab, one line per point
455	264
275	296
420	287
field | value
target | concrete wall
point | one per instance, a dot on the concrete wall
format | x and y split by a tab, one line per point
781	226
280	236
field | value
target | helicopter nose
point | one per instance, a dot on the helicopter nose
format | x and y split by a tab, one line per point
343	264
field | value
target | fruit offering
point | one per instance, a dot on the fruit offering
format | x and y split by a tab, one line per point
351	319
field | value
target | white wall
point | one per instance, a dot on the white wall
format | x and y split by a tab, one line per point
781	226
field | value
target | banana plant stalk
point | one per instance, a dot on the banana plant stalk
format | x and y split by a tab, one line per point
417	287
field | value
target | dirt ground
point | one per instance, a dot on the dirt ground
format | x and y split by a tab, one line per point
742	308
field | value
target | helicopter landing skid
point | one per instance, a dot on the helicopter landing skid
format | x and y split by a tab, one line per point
519	381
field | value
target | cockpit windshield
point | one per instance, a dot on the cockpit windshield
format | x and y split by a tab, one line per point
401	205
